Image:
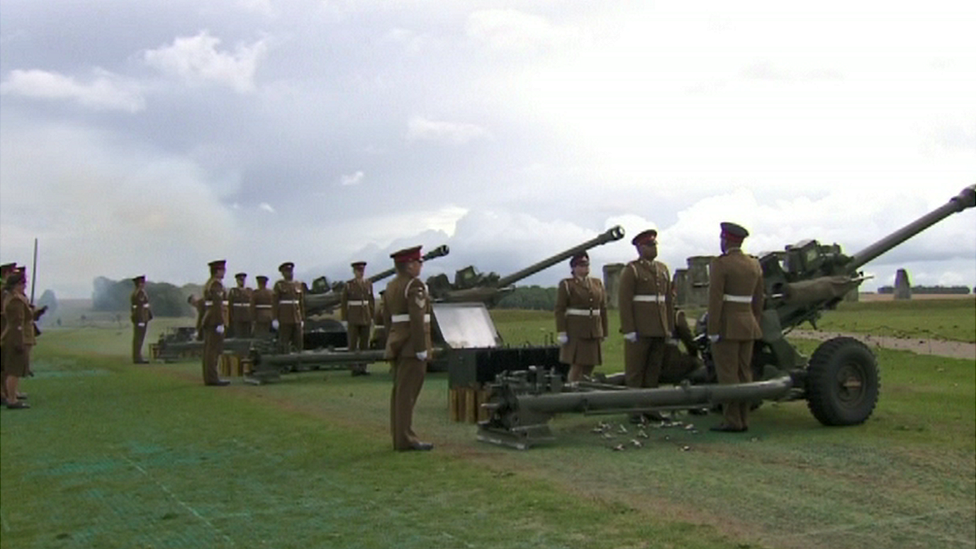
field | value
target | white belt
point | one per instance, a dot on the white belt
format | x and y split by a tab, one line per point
144	305
406	318
737	298
357	303
583	312
288	302
242	305
208	302
262	306
653	298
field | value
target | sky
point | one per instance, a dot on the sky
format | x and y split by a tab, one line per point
153	137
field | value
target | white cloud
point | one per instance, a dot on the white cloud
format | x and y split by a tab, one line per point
195	59
454	133
352	179
513	31
264	206
103	91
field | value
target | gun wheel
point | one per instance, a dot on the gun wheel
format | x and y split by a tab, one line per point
842	382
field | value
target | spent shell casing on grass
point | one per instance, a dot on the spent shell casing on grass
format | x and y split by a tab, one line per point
642	434
636	443
622	428
685	448
618	448
690	427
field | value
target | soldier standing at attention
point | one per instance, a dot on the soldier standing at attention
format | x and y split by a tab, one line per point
17	336
647	314
239	305
5	271
735	302
261	299
357	310
288	309
408	346
141	315
581	319
213	322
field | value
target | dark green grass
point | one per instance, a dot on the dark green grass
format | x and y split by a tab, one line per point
121	456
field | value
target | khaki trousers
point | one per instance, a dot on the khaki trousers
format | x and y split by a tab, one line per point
289	337
358	335
408	379
138	336
213	345
577	372
733	364
643	360
242	329
262	328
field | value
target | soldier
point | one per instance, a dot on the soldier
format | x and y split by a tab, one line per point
17	336
735	302
288	309
408	345
5	270
261	300
212	323
581	319
141	315
239	306
357	310
378	340
647	315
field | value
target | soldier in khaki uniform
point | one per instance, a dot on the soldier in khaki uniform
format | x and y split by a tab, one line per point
140	315
356	308
735	302
288	309
239	307
581	319
408	346
213	322
5	270
646	302
17	337
261	300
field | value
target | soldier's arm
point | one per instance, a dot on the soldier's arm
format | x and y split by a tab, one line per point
134	307
275	298
716	291
417	307
604	321
302	288
16	313
562	303
758	295
344	303
668	302
370	298
625	299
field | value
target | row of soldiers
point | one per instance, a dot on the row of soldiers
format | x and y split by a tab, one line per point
18	334
650	323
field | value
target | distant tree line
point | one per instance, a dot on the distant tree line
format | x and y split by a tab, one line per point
937	290
530	297
165	299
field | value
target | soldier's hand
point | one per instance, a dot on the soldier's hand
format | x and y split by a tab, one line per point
714	338
141	324
631	337
673	341
562	338
422	355
274	324
219	329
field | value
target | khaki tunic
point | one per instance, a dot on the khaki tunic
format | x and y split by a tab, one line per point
647	309
17	335
140	315
407	314
261	304
581	313
735	302
357	302
288	307
214	314
239	309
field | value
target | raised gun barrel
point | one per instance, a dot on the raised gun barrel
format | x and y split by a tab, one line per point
610	235
965	199
319	303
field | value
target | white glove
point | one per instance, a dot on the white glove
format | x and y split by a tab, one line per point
673	341
631	337
219	329
713	338
141	324
301	325
422	355
274	324
562	338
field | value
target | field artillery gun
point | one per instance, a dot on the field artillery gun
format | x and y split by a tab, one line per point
467	343
840	381
471	286
326	333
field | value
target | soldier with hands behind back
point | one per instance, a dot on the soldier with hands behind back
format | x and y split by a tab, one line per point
735	302
581	319
140	315
17	337
213	322
407	309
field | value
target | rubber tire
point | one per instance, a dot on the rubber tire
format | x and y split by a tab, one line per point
826	396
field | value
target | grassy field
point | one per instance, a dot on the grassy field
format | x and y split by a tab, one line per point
114	455
952	319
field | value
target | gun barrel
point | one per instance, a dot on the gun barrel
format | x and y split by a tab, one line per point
615	233
439	251
965	199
